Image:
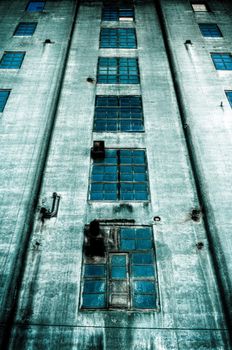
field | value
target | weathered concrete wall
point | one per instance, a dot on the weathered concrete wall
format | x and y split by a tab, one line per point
25	121
203	89
191	315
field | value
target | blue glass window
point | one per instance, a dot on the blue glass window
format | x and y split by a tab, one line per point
35	6
229	96
114	13
122	38
222	61
4	94
135	239
124	278
25	29
118	70
210	30
118	114
12	60
121	175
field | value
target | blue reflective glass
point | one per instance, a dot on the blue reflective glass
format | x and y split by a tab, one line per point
143	233
4	94
35	6
142	258
117	70
94	301
94	271
12	60
142	270
143	244
128	244
144	286
130	184
222	61
25	29
118	38
118	272
118	260
127	233
144	301
229	96
210	30
114	13
94	286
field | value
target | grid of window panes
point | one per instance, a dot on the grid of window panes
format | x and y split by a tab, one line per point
118	70
25	29
118	114
114	13
222	61
35	6
4	94
122	38
121	175
199	7
12	60
210	30
125	278
229	97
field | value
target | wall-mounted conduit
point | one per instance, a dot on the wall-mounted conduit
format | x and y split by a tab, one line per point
217	258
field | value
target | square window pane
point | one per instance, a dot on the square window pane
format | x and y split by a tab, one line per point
94	271
4	94
142	270
35	6
118	272
144	286
94	286
94	301
143	301
128	244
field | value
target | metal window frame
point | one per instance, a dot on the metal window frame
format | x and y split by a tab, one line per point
211	31
116	14
24	33
12	53
229	96
118	182
2	106
117	109
34	1
222	59
130	279
119	67
111	38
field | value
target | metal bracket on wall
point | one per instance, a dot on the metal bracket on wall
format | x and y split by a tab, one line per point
48	214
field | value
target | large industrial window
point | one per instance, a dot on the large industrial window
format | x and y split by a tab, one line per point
222	61
118	70
120	175
25	29
4	94
114	13
122	38
35	6
229	96
210	30
118	114
12	60
119	272
200	7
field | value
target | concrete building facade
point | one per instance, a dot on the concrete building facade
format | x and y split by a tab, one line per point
115	174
